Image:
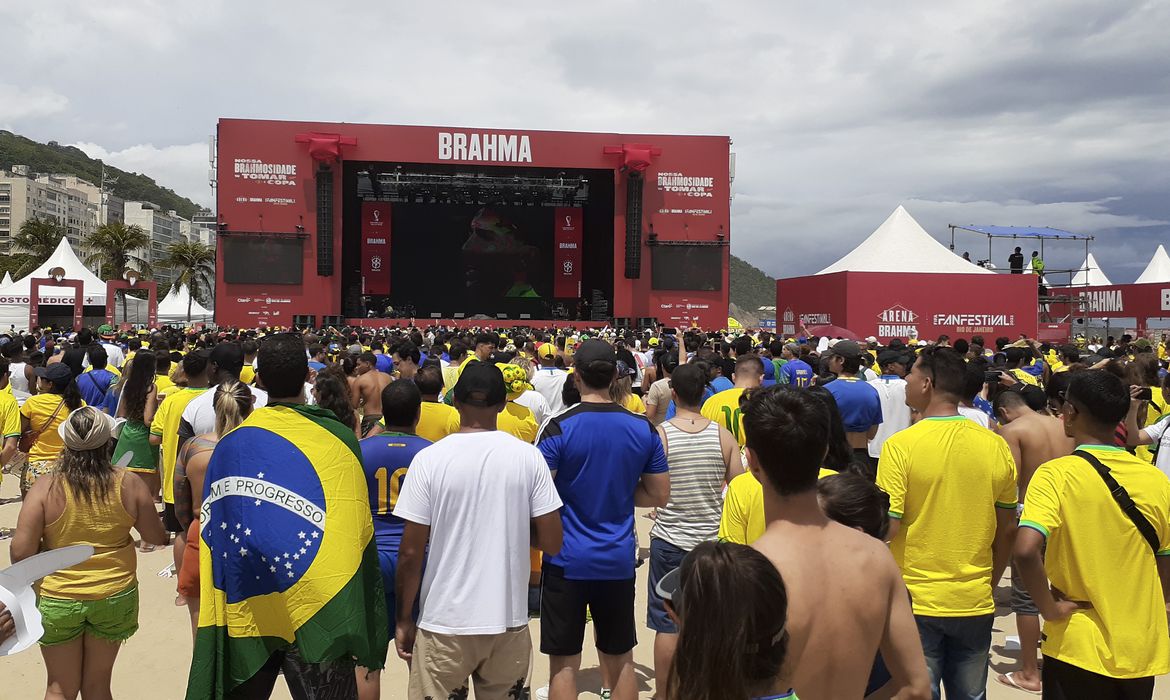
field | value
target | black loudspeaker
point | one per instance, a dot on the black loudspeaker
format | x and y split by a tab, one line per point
622	322
633	225
305	321
647	322
325	222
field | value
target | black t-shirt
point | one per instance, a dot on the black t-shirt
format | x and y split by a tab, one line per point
1016	261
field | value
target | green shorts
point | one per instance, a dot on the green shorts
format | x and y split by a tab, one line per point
113	619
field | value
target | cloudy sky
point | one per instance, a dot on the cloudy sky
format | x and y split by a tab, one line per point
1047	113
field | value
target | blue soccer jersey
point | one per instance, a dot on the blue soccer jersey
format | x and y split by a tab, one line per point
386	458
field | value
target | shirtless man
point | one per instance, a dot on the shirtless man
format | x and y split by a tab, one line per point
1035	437
837	621
366	390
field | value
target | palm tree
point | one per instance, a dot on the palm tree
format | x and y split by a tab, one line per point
38	238
115	248
193	265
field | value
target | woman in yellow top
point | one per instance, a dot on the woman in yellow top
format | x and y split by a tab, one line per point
622	392
57	396
90	609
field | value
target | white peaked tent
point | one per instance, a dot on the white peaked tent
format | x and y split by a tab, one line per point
7	280
900	244
173	308
1158	271
14	298
1090	274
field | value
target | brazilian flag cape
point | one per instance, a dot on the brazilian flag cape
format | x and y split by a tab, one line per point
287	553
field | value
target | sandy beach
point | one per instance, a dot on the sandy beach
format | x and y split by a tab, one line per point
154	662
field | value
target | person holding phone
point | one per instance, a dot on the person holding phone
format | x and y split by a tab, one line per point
1157	432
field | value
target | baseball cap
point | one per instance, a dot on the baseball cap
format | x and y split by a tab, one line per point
57	373
106	330
354	349
624	370
595	351
653	342
845	348
885	357
871	339
548	351
229	357
481	384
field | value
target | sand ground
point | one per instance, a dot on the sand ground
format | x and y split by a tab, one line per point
154	662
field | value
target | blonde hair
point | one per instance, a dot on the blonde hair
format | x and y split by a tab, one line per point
620	390
526	365
233	403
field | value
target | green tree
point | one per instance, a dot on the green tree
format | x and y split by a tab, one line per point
37	238
115	249
193	266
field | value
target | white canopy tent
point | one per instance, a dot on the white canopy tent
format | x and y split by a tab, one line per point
173	309
1090	274
6	281
1158	270
900	244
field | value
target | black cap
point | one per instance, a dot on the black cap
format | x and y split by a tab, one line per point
481	384
594	350
886	357
845	348
229	357
58	373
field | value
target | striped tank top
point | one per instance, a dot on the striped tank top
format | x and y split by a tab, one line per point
691	517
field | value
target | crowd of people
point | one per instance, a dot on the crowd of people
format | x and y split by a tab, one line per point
831	518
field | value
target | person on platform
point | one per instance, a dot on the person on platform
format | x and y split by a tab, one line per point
1016	262
366	390
1037	264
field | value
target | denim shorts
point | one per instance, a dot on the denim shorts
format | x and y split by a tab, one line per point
664	558
112	619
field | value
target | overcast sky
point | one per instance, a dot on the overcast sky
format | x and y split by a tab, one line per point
1037	113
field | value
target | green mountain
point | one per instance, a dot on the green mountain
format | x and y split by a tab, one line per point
750	287
54	158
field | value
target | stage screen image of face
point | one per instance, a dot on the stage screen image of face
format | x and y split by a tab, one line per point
471	257
252	259
687	268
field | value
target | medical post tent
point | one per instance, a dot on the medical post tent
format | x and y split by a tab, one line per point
900	282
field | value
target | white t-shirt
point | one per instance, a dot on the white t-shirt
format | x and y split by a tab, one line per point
976	415
1160	433
199	415
478	493
895	413
534	401
550	381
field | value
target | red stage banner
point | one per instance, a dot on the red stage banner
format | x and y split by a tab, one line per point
567	242
375	247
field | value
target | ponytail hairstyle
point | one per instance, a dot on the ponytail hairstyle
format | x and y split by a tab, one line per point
732	607
856	502
233	403
70	394
139	380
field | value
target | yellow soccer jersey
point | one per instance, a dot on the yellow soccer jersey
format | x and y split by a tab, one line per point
743	518
946	476
1096	554
723	408
437	421
166	425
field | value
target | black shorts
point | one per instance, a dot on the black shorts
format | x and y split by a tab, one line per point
562	614
1063	681
170	520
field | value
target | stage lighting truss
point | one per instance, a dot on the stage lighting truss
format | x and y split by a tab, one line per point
473	189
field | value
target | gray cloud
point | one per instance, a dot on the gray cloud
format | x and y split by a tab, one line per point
1043	113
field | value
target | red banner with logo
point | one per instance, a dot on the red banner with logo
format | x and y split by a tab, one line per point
567	243
375	247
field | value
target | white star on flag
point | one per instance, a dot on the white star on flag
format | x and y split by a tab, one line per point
316	534
238	526
290	574
296	556
272	569
257	501
260	475
223	526
287	564
243	552
301	534
247	531
302	550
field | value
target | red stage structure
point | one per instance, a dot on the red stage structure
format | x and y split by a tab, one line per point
1141	302
34	296
320	223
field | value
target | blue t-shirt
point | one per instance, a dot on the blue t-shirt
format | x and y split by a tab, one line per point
599	452
672	410
797	373
859	403
384	363
385	459
1036	369
94	384
722	384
